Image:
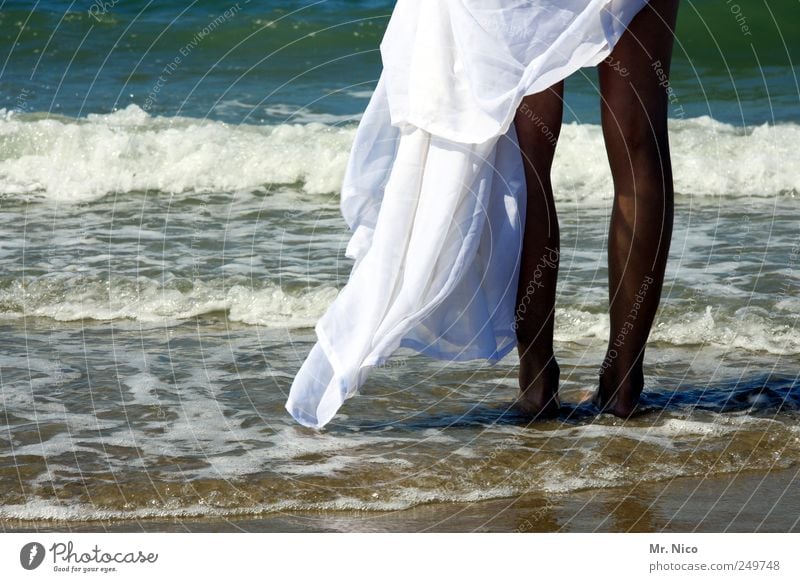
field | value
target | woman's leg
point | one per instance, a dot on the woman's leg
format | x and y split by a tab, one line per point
635	99
538	124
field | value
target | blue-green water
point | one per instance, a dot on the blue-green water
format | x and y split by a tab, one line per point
261	60
169	178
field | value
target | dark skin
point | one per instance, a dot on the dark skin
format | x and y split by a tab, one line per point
634	105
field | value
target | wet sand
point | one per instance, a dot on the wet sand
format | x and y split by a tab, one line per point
744	502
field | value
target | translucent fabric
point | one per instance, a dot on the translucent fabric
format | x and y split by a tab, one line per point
434	191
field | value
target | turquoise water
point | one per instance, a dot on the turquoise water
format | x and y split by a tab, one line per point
169	184
264	60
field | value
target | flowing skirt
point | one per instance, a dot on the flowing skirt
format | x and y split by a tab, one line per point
434	191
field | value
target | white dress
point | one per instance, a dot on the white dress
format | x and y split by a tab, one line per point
434	190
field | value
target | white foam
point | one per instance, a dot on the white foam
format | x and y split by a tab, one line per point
72	298
577	325
364	94
272	307
749	332
746	330
289	443
37	509
673	427
709	158
348	461
129	150
143	386
661	435
291	114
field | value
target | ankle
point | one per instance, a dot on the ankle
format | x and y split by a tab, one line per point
619	390
539	376
538	395
534	354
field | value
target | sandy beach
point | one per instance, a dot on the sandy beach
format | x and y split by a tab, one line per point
746	502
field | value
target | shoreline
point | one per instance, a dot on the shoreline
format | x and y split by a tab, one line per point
752	501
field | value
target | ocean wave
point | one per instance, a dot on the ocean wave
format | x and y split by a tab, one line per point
743	329
709	159
79	160
146	300
76	297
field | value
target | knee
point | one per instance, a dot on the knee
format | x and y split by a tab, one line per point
637	134
635	127
528	334
638	153
537	137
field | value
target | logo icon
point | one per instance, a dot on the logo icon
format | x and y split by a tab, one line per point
31	555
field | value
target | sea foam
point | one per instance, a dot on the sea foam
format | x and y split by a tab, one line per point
79	160
145	300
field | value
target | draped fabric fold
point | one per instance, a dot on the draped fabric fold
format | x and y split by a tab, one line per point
434	190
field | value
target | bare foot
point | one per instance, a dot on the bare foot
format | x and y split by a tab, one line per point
620	398
538	396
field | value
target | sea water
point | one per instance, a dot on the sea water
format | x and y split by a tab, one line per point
170	234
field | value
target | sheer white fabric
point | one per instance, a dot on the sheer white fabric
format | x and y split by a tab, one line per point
434	191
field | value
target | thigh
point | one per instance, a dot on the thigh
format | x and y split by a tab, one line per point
538	125
634	82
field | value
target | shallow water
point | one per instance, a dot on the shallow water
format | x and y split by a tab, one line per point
133	390
163	264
